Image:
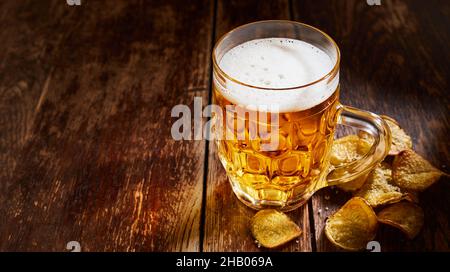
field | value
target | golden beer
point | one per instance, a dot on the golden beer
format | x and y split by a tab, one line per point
276	177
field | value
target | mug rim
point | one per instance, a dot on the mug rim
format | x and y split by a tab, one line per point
331	73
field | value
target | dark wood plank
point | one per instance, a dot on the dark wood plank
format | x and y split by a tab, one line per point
24	80
85	99
394	62
227	220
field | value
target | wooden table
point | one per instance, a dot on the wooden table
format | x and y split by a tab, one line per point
85	99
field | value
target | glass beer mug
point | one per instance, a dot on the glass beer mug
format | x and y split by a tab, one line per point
277	84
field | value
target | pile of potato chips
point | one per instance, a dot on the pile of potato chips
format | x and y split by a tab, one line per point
391	188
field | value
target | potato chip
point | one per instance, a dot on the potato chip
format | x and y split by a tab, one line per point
379	188
352	226
412	172
406	216
348	149
400	140
273	228
354	184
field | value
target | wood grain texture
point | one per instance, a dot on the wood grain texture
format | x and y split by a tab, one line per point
227	220
86	94
394	62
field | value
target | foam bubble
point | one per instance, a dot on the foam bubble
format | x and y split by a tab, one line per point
277	63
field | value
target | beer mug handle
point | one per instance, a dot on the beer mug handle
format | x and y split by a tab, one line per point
373	125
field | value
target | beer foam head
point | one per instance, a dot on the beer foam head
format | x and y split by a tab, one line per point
277	63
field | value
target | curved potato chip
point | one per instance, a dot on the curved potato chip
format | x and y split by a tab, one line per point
273	228
352	226
412	172
378	188
406	216
348	149
353	185
400	140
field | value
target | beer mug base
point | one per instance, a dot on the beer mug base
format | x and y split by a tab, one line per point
273	199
